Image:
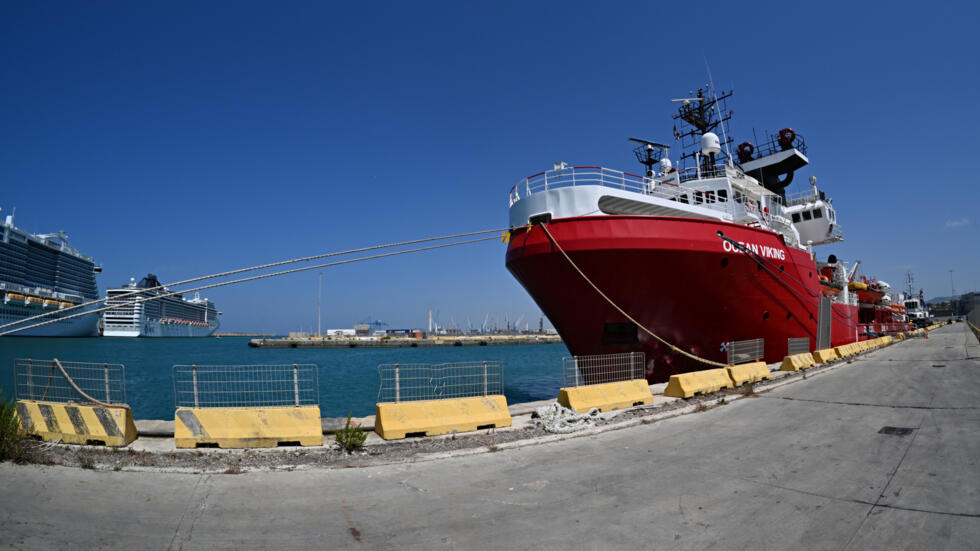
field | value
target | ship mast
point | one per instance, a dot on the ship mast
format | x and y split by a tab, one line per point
698	116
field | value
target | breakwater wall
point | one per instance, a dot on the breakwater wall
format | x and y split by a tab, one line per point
404	343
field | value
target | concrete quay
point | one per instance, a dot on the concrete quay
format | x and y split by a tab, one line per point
878	452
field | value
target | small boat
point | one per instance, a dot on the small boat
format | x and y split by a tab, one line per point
32	300
13	296
857	286
50	303
828	287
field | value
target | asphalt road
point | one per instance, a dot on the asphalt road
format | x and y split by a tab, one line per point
805	466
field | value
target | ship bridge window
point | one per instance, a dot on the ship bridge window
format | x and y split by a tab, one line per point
698	198
722	195
796	217
683	199
709	197
807	215
818	213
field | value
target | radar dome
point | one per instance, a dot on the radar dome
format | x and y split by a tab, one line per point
710	143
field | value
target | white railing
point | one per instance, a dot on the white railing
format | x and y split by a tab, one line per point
577	176
669	188
802	197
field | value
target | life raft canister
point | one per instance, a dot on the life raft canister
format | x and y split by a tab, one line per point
745	151
786	137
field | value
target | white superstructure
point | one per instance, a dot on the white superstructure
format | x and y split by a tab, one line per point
168	315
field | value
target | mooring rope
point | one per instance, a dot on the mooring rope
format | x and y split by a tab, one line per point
672	347
233	272
76	387
253	278
762	264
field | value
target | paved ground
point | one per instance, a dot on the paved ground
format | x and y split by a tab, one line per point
804	466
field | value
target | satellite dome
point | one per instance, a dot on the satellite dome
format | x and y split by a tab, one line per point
710	143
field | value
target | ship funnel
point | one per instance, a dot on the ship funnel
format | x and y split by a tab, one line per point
710	144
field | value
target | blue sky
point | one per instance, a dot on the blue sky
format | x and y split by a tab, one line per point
189	138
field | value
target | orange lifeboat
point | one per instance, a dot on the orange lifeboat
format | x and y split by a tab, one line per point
828	287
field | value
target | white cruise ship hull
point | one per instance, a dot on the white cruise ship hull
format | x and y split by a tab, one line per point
157	329
82	326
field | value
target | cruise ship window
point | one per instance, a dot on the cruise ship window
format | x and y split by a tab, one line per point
807	215
818	213
796	217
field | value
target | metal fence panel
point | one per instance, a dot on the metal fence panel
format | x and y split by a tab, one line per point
797	345
740	352
42	380
416	381
603	368
215	386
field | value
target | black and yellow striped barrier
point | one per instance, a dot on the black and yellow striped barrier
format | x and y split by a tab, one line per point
77	423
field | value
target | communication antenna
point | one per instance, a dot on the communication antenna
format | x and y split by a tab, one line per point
649	153
724	134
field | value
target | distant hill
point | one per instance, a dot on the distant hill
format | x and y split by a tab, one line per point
946	299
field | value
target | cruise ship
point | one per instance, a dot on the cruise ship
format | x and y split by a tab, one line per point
42	274
148	309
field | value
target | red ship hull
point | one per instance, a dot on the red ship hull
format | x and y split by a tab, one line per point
677	278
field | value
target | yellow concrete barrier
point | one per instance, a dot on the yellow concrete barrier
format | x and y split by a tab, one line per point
606	396
748	373
77	423
797	362
844	350
686	385
248	427
887	339
825	355
431	417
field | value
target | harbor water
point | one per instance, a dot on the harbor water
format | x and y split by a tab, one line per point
348	378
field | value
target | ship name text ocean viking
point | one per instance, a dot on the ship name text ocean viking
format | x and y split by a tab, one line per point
761	250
